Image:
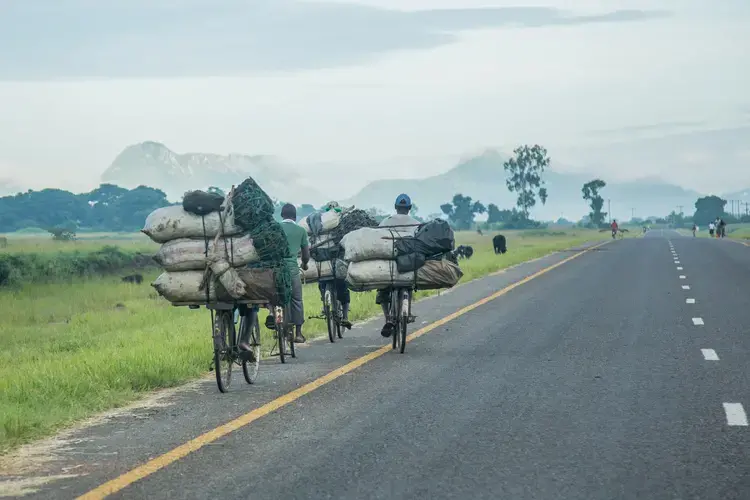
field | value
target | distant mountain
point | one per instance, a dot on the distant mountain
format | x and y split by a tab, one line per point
483	178
155	165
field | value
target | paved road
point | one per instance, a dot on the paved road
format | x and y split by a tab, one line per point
599	379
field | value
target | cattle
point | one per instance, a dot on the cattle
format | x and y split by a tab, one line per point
498	243
464	252
136	279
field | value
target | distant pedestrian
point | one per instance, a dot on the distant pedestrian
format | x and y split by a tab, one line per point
711	229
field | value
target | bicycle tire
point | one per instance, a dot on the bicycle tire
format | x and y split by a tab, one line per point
403	319
224	341
392	318
340	316
328	312
281	339
250	368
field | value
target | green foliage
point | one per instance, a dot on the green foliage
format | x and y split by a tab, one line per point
462	211
707	209
215	190
106	208
525	170
590	192
679	221
25	268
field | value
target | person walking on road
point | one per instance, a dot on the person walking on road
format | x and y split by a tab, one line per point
614	228
711	229
296	237
404	224
722	228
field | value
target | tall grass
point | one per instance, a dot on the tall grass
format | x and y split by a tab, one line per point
70	350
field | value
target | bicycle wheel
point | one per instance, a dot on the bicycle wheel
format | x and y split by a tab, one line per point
249	367
339	318
328	312
403	318
393	318
224	343
281	338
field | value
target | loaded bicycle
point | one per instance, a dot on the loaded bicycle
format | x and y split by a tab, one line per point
399	314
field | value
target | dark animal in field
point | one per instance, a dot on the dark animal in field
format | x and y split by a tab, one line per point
463	252
136	279
499	244
480	232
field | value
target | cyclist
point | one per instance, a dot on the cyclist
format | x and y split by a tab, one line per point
342	290
405	225
614	228
296	237
695	229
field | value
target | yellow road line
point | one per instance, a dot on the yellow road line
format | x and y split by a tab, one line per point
157	463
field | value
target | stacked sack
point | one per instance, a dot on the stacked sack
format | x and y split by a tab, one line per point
220	250
384	257
325	231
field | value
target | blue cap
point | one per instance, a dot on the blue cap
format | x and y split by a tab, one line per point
403	200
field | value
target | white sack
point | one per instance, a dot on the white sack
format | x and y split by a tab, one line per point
172	222
377	274
184	287
226	274
330	221
186	254
323	270
369	244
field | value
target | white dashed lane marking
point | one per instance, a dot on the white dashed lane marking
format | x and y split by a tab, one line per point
686	287
735	414
689	301
698	321
682	277
679	268
710	355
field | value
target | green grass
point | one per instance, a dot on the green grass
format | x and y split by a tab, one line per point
68	351
87	242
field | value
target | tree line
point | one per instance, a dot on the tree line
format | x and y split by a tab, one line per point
525	170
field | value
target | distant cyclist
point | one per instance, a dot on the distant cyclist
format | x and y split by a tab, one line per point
695	229
615	228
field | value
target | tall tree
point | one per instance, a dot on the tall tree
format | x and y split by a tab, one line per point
590	192
525	170
708	209
462	211
495	215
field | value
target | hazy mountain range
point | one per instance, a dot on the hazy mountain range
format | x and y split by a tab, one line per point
482	177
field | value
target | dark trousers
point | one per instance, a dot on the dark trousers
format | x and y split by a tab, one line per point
342	291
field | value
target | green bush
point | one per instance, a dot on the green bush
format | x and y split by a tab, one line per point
24	268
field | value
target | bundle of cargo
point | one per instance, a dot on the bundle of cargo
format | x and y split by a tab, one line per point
221	250
384	257
325	230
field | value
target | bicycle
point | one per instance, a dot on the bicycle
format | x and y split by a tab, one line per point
227	352
332	311
399	314
283	333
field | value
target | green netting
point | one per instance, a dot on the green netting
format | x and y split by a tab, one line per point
282	278
253	212
351	221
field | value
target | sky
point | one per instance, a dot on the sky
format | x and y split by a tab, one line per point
625	89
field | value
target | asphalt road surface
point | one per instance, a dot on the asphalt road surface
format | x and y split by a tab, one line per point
621	373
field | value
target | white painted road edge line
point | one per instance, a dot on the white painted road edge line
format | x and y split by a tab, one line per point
698	321
710	355
689	301
686	287
735	414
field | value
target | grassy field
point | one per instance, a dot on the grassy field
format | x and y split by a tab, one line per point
68	351
43	243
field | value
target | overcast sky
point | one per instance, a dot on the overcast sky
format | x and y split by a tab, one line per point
636	88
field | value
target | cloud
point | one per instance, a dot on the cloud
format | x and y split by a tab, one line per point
160	38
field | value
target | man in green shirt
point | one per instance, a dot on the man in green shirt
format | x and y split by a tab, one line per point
296	236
